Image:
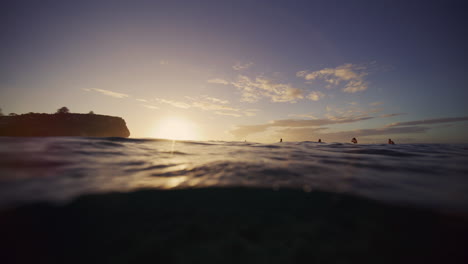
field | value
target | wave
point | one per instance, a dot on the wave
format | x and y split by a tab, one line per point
62	168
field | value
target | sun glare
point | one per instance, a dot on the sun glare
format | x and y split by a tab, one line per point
177	129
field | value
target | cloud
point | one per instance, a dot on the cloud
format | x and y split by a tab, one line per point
394	114
177	104
142	100
238	66
150	106
350	111
216	100
212	106
254	89
220	106
219	81
315	95
163	62
250	112
376	103
430	121
351	76
304	116
302	134
379	131
108	93
220	109
315	122
300	130
227	114
243	131
208	103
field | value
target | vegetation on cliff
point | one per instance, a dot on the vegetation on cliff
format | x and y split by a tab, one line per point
62	123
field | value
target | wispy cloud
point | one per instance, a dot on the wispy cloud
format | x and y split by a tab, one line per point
351	76
379	131
315	95
227	114
250	112
218	80
376	103
311	133
315	122
391	115
298	130
430	121
299	134
243	131
150	106
108	93
220	107
254	89
215	100
309	116
239	66
177	104
207	103
351	111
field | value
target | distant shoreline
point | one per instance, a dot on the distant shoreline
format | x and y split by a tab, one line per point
63	124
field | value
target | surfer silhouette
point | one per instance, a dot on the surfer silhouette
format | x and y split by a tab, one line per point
354	140
281	140
390	141
319	141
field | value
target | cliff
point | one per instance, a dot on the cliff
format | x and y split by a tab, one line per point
48	125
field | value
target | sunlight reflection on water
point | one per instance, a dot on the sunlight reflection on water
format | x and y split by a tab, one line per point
62	168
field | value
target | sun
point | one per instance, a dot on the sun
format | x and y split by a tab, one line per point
176	128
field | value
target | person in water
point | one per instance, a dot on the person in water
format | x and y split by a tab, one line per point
281	140
390	141
354	140
319	141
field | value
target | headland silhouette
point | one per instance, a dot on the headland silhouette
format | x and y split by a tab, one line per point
62	123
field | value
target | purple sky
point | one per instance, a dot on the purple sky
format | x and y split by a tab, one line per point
236	70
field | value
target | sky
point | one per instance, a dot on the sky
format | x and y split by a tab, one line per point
244	70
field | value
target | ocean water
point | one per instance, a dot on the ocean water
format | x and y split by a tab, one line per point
116	200
59	169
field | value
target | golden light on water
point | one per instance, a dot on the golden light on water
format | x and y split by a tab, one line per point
176	128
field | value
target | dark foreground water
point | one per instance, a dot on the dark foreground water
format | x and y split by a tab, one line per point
114	200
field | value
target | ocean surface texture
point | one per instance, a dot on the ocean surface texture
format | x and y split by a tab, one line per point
59	169
115	200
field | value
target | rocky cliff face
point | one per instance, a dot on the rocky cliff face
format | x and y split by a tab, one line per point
48	125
